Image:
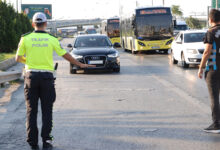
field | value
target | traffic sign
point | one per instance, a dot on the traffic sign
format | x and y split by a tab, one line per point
31	9
214	3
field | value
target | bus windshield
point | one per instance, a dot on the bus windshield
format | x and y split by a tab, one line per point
113	29
154	27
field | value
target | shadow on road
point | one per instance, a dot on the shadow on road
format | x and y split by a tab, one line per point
118	129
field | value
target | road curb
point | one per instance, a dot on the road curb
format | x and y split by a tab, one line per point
6	64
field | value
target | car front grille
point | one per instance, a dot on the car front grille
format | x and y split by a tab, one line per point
94	58
201	51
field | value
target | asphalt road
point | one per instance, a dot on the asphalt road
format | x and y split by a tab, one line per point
150	105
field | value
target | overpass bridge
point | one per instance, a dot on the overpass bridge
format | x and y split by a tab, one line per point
79	23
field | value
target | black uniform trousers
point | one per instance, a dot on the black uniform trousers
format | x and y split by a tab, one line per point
213	83
39	85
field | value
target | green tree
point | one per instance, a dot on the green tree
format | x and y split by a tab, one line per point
193	23
176	11
12	26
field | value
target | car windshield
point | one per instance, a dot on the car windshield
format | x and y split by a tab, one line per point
91	31
194	37
92	42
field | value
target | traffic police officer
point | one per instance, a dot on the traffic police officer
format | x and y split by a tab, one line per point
36	51
211	58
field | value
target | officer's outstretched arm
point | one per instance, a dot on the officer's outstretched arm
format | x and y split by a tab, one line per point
20	59
69	58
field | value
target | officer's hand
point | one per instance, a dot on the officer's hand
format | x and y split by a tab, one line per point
200	73
87	66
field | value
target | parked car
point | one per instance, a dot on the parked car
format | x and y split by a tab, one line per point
96	50
188	47
81	32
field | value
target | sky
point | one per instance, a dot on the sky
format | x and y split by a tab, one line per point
81	9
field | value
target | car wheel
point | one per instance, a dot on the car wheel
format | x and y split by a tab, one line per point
174	61
117	70
184	64
72	71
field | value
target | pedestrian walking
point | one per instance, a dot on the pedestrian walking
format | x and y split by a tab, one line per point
36	51
211	63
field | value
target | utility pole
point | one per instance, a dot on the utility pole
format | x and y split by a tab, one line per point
137	4
21	5
17	5
152	2
208	9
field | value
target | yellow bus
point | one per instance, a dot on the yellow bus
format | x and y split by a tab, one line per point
110	27
144	29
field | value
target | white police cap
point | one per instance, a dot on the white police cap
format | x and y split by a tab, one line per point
39	17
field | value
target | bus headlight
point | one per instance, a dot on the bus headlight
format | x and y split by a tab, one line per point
140	43
114	55
169	42
191	51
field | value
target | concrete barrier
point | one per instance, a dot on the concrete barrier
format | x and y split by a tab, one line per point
4	65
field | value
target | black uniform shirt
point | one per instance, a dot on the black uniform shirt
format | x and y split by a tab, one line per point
213	37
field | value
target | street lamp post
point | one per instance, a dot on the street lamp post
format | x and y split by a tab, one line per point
163	2
152	2
216	4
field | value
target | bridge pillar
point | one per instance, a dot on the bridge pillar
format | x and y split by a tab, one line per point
53	31
79	28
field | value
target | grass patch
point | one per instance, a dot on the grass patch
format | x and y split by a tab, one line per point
5	56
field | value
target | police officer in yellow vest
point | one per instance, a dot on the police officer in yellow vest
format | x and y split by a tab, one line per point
36	51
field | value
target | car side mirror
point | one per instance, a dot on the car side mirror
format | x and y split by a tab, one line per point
70	46
116	45
179	42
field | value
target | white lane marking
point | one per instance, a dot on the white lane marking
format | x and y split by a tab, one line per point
184	95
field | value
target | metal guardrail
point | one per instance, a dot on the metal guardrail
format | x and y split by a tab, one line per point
68	23
9	76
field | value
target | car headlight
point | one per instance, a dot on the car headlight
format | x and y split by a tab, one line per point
191	51
77	56
113	55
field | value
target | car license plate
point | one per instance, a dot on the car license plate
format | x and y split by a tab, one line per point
95	62
155	47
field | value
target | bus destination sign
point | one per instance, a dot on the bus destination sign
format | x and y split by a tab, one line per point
153	11
114	21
